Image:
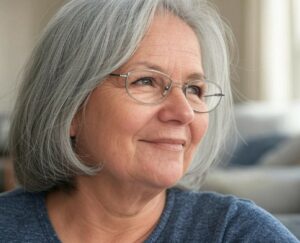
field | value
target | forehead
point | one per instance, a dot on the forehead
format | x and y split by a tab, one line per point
173	31
168	41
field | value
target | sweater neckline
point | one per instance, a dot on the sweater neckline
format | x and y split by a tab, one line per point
164	218
51	235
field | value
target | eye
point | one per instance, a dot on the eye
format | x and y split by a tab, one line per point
145	81
195	90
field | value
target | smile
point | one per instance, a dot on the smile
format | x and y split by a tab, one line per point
174	145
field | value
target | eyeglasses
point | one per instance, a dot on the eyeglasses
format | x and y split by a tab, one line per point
152	87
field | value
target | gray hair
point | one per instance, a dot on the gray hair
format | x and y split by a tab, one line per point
84	42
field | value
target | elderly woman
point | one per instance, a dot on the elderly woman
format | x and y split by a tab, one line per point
117	98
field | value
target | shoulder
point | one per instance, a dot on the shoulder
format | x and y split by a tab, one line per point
220	218
211	208
18	215
15	202
15	208
210	204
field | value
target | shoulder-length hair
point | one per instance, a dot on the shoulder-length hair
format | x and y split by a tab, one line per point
83	43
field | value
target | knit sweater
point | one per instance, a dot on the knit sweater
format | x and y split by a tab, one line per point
187	217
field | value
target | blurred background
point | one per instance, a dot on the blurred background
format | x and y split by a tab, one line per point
267	34
264	164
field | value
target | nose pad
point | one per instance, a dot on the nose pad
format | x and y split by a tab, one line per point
166	90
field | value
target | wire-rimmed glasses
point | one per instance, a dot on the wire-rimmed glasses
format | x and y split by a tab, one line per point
149	86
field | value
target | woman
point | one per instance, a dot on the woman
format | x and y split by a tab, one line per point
113	107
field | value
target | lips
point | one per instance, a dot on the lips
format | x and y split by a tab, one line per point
169	144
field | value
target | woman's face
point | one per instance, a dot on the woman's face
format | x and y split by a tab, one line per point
152	145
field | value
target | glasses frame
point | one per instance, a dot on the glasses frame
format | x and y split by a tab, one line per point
169	88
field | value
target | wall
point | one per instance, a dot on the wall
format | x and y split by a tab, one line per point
243	17
21	22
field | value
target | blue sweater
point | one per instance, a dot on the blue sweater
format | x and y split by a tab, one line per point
187	217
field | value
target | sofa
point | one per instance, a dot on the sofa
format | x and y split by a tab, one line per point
264	164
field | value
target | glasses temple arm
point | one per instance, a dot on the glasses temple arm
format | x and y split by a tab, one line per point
218	94
118	75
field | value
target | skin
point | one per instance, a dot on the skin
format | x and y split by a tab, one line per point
145	149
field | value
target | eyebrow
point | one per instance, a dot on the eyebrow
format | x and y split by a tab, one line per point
193	76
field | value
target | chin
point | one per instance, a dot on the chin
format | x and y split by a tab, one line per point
164	181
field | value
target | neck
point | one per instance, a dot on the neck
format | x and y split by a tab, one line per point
115	213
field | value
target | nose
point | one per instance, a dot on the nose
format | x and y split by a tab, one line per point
176	107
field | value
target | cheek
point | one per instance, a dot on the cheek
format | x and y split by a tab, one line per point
107	134
199	128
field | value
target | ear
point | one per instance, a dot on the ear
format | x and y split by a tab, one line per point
74	126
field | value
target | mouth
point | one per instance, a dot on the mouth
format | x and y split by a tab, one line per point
174	145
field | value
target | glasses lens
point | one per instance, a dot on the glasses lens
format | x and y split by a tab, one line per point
147	86
151	87
203	96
